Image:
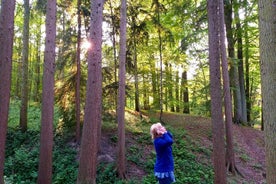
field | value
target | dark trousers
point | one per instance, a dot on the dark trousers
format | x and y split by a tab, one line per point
165	180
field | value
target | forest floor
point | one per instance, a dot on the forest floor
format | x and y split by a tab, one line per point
248	146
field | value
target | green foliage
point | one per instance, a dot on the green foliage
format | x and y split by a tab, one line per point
134	155
21	163
106	174
22	153
65	165
34	115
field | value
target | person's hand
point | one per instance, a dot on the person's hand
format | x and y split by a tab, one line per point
161	130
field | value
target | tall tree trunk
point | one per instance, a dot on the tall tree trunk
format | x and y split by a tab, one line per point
186	108
93	104
241	68
6	46
246	59
47	113
267	21
31	74
121	162
161	75
170	83
216	96
145	93
37	68
236	93
230	156
231	52
78	74
18	79
177	107
156	98
113	37
137	98
234	75
206	93
157	11
25	58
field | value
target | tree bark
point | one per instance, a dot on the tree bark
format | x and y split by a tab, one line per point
267	24
247	65
177	107
158	24
121	162
231	52
216	96
240	68
6	46
186	108
37	95
93	105
136	82
170	89
230	155
25	58
47	114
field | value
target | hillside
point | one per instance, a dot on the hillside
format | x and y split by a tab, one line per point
192	151
248	143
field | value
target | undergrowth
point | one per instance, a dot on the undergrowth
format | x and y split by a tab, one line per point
22	154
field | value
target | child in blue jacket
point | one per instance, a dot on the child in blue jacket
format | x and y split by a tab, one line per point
164	164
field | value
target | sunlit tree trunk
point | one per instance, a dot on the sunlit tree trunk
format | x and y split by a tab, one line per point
6	46
267	24
47	111
216	95
121	162
25	58
93	105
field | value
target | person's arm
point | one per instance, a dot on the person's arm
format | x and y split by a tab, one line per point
165	140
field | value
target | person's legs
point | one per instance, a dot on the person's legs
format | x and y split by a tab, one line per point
165	180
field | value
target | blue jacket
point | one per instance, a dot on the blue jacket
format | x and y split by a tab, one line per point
164	158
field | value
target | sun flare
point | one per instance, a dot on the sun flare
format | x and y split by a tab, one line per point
85	45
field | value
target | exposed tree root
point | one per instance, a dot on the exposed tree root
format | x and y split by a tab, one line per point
232	168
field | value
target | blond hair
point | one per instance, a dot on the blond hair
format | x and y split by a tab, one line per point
153	130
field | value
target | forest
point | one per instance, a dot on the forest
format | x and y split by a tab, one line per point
82	81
